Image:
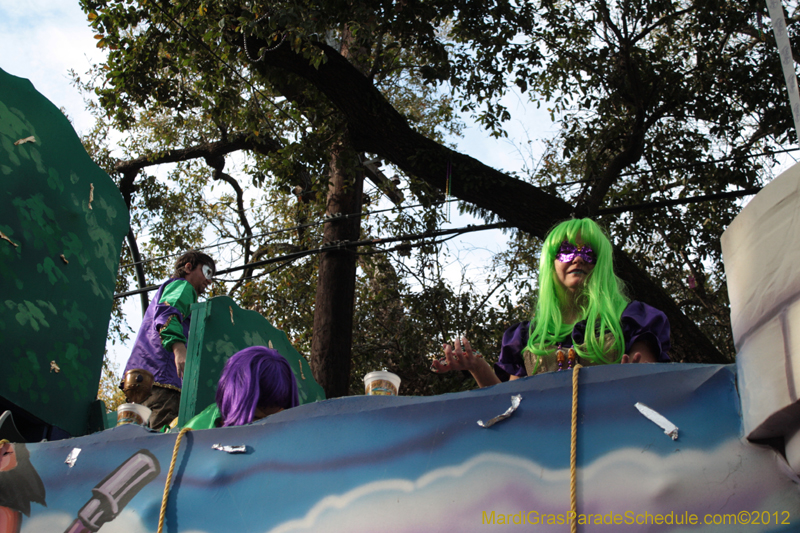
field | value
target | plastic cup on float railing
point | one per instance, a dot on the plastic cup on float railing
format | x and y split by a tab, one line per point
381	383
132	413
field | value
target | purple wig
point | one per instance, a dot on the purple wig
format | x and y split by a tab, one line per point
254	377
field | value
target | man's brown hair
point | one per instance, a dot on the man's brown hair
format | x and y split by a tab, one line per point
195	258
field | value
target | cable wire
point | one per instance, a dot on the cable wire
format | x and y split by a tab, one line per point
678	167
458	231
678	201
292	228
338	246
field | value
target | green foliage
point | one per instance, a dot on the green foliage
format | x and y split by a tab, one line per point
643	92
406	310
171	100
109	390
646	93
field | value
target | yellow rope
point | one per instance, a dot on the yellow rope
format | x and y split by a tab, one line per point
573	454
4	441
169	478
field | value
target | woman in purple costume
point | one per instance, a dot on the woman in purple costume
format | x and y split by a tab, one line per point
581	310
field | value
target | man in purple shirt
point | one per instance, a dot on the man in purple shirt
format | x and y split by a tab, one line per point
160	346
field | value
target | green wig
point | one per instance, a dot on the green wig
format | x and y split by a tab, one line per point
600	302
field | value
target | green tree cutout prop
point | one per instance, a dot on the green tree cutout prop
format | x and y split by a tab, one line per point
220	328
63	221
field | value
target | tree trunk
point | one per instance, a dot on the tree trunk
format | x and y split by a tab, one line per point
331	344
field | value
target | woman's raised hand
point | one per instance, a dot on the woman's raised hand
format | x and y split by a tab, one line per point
459	356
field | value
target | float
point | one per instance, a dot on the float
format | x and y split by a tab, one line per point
664	447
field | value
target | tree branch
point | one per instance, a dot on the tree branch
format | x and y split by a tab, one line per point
240	141
248	230
376	127
765	37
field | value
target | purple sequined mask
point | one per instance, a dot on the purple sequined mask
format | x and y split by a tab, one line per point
568	252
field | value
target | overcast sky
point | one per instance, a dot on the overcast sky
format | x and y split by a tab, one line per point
42	40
